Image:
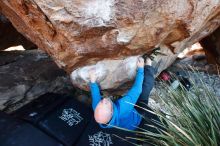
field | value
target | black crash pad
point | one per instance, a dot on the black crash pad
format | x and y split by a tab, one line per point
34	111
14	132
68	122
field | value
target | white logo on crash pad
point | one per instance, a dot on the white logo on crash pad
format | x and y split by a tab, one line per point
100	139
71	117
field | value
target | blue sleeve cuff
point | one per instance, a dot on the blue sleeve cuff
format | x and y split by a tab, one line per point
93	84
140	69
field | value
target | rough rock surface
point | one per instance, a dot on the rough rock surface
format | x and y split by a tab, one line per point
113	73
9	36
83	32
25	75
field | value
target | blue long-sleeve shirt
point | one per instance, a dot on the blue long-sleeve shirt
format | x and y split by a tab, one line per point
124	113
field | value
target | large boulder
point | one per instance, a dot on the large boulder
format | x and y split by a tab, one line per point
84	32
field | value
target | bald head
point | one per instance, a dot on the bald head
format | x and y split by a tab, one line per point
103	111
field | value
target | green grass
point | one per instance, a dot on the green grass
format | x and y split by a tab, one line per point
192	119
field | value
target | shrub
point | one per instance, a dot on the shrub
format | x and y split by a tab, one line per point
192	118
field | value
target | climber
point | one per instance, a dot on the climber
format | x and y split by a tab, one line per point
122	113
